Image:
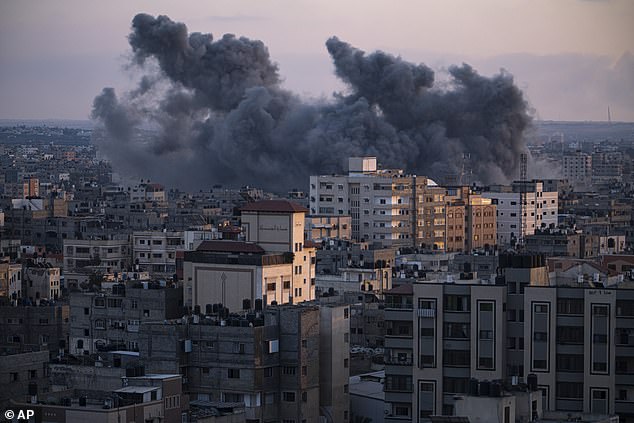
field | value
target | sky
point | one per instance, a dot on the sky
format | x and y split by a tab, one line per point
572	58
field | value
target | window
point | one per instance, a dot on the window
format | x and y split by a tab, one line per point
457	358
457	303
268	371
456	330
304	396
233	373
14	377
569	390
346	313
570	306
288	396
304	370
345	363
486	334
401	411
570	334
427	332
485	362
289	370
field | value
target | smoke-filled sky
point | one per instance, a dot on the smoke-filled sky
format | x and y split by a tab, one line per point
572	58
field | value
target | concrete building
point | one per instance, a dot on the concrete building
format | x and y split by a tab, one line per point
40	281
334	362
574	338
367	399
319	228
23	375
10	279
277	226
100	255
230	272
110	320
279	362
155	251
577	168
273	265
36	328
381	202
521	209
354	267
152	398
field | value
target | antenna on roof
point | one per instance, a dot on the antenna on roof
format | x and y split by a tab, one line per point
609	116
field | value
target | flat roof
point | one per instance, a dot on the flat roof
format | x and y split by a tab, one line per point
274	206
137	389
367	385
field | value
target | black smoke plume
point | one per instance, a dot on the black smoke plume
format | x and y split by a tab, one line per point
220	115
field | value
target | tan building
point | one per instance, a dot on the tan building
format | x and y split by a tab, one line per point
277	226
318	228
230	272
481	224
10	280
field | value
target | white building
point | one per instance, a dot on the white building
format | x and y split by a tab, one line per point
155	251
381	202
521	208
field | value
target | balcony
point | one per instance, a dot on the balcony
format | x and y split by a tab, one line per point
426	312
396	361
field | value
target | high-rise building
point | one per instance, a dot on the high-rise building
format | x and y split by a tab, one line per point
574	341
387	206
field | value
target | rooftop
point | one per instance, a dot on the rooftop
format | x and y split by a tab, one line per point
230	247
274	206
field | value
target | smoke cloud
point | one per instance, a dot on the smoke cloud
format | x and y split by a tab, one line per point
220	115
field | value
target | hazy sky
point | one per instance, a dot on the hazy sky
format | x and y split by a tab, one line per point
573	58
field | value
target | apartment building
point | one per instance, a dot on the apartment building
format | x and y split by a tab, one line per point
381	202
320	228
110	320
23	374
40	281
348	266
101	255
151	398
577	168
235	272
574	339
155	251
35	328
470	224
522	208
284	363
10	279
277	226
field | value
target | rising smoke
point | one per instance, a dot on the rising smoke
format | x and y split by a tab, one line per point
221	116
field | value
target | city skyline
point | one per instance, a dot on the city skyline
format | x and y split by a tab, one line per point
567	71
